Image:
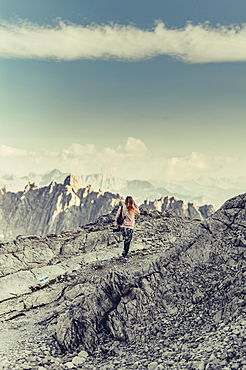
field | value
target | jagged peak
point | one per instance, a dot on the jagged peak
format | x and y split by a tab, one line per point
87	190
52	186
4	189
30	186
70	180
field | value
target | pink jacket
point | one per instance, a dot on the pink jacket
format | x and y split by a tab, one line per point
129	221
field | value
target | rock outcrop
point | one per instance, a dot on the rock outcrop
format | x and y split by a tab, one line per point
51	209
181	207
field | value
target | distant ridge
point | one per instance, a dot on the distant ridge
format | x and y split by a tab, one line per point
57	207
181	208
139	189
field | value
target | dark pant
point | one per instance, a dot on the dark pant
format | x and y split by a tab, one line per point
127	235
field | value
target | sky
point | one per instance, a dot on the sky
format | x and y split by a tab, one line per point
138	89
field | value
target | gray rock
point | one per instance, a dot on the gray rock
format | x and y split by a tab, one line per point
152	365
70	365
83	354
78	360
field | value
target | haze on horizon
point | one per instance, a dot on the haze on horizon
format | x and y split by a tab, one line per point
142	90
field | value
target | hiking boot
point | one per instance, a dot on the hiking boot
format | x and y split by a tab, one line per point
126	259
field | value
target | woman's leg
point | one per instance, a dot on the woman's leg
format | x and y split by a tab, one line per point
127	234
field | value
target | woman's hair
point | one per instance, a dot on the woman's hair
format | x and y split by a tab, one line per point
129	202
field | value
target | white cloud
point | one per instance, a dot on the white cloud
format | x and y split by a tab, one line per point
186	167
8	151
200	43
135	147
44	153
87	159
77	151
131	160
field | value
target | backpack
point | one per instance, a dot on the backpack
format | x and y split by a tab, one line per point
120	218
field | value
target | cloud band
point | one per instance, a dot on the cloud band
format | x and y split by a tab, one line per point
67	41
132	160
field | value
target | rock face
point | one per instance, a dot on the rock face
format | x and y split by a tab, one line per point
179	303
51	209
181	207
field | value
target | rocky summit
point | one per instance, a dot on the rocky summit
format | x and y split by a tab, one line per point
68	301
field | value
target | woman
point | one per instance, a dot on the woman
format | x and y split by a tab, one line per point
129	210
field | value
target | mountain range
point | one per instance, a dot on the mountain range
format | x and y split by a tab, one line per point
54	208
203	190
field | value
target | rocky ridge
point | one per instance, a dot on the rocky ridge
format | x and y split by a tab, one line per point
178	304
